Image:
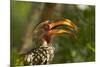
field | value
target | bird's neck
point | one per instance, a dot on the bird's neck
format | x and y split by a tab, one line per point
46	44
47	38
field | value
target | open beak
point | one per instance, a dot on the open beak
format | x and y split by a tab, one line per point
72	28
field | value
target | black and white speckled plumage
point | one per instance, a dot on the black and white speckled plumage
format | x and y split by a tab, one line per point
37	56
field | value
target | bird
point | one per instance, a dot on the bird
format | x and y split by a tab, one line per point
42	51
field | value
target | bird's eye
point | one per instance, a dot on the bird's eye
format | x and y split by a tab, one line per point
46	27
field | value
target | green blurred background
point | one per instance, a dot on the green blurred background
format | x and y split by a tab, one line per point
68	50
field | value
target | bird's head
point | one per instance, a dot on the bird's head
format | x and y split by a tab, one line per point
47	29
44	32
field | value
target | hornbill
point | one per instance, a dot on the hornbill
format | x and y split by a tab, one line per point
42	50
